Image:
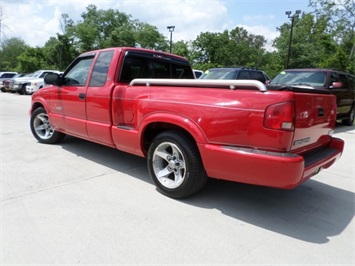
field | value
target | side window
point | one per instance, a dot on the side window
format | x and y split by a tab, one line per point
100	70
243	74
79	72
352	81
257	75
43	74
334	77
343	80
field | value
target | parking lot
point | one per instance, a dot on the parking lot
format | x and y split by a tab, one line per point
83	203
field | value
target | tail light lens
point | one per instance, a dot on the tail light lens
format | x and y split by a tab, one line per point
280	116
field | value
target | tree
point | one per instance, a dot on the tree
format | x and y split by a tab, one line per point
9	52
148	36
312	43
234	48
181	48
58	52
31	60
108	28
341	16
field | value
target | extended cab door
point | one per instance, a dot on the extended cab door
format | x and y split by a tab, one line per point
98	98
70	100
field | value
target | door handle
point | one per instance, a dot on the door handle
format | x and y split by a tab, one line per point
82	96
320	112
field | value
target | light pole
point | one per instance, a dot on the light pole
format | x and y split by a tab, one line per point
296	15
171	29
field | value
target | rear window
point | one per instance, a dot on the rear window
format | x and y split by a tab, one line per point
145	65
257	75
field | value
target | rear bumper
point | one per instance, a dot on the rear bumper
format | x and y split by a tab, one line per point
272	169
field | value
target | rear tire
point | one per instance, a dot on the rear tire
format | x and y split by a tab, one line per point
350	120
175	165
41	128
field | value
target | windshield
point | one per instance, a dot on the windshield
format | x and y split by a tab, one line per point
219	74
35	74
311	78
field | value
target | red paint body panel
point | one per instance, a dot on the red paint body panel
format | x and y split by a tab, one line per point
253	167
227	125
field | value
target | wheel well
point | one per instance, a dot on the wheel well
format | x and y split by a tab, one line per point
35	106
156	128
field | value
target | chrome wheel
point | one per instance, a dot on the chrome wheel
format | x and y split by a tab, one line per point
42	126
169	165
42	129
175	165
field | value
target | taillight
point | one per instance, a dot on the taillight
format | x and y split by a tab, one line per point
280	116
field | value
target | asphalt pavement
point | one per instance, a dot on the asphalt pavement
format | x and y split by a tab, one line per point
82	203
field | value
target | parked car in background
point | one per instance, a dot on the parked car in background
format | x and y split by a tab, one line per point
36	84
19	84
5	76
198	73
6	83
339	83
236	73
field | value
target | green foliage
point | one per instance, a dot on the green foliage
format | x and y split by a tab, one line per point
10	49
181	48
148	36
341	26
31	60
315	44
109	28
234	48
323	38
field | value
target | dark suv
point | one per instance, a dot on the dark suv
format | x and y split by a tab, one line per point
341	84
235	73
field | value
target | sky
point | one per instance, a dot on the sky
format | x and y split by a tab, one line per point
35	21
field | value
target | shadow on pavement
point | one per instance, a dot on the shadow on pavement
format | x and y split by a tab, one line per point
341	129
313	212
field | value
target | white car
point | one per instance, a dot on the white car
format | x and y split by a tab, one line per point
33	85
20	84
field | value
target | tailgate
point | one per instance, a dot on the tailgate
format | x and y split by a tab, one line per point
315	119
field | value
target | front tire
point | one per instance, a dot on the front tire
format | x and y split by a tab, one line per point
22	91
41	128
27	92
175	165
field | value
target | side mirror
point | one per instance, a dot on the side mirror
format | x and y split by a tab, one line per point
337	85
52	79
267	82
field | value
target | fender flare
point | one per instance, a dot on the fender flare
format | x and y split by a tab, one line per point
177	120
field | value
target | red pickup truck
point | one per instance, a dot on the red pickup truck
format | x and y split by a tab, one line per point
148	103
